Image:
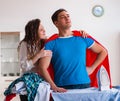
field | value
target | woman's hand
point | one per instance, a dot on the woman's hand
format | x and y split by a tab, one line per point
43	53
84	34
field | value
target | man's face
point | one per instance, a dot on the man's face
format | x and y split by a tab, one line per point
64	20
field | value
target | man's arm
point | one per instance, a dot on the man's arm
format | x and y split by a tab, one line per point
102	53
43	65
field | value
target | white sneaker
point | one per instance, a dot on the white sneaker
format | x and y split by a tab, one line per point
103	79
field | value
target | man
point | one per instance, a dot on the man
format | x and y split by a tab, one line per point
69	56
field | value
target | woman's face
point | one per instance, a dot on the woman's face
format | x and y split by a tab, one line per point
41	32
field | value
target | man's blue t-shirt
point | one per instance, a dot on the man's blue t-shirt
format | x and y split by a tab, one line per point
69	59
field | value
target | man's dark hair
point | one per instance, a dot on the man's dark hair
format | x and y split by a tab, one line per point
56	13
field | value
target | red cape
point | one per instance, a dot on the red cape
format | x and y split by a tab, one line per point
90	58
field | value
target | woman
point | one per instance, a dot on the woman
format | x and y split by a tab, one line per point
31	48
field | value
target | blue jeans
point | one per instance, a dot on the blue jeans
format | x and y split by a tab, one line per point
78	86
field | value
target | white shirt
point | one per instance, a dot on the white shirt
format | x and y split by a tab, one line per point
25	64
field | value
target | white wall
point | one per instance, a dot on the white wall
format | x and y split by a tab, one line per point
14	14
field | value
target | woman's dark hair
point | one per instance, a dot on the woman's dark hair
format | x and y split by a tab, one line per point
54	17
31	37
31	31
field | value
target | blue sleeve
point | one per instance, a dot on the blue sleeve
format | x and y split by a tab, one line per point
49	46
89	42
